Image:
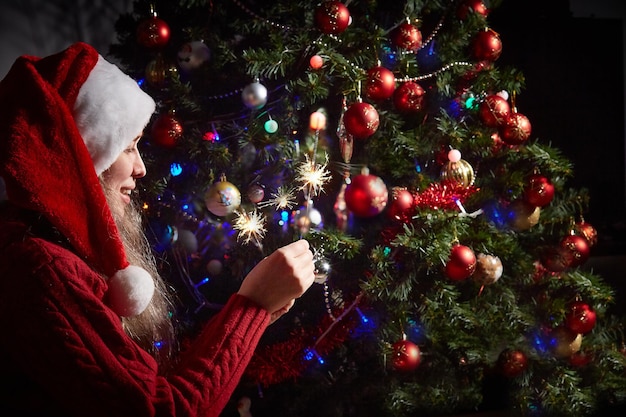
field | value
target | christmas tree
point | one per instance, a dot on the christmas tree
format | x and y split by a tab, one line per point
449	244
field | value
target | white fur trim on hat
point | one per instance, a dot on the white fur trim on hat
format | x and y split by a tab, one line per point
110	111
130	291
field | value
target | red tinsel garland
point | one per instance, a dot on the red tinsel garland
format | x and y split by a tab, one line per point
287	360
443	196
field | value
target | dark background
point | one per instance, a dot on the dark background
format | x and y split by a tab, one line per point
574	97
573	61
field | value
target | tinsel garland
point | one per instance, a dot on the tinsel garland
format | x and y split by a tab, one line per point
446	196
288	360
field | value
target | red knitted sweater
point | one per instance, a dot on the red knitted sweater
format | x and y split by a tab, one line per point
64	352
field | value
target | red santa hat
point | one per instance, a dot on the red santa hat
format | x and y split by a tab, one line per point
64	119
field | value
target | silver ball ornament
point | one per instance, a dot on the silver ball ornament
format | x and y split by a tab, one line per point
254	95
322	270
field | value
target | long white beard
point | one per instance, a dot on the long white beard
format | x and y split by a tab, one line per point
153	329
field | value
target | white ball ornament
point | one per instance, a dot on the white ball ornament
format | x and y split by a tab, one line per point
504	94
192	55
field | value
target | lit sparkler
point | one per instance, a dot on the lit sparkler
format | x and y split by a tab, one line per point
283	198
313	177
251	227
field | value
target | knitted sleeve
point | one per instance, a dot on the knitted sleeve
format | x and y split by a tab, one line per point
77	360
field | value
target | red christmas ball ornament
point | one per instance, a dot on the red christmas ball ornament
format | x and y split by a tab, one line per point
516	129
556	259
406	356
539	191
471	6
380	83
153	32
580	318
407	36
494	110
409	97
361	120
332	17
487	45
366	195
166	130
580	359
401	204
587	231
577	247
512	362
461	264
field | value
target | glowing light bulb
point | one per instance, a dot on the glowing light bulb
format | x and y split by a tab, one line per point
317	121
271	126
454	155
176	169
316	62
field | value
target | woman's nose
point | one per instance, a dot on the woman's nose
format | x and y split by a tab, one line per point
139	168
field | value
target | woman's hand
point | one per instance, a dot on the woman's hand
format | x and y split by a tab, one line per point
276	281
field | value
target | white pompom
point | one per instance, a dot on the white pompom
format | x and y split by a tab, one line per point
130	291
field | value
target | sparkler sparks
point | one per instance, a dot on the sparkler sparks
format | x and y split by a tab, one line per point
251	227
313	177
283	198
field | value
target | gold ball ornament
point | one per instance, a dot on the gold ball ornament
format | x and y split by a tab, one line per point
457	170
488	269
565	342
523	216
157	72
222	198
